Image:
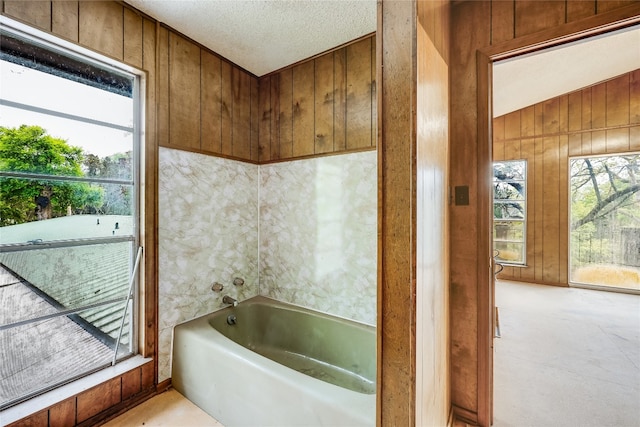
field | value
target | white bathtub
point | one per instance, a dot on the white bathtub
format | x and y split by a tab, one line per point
218	367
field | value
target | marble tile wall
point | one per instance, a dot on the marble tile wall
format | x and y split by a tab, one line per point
208	231
318	234
303	232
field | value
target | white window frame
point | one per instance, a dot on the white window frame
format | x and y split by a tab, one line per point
523	220
52	42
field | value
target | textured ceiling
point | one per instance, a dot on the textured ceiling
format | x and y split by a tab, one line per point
265	35
526	80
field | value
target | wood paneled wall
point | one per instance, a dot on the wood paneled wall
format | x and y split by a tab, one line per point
601	119
477	26
320	106
205	103
198	101
89	407
413	317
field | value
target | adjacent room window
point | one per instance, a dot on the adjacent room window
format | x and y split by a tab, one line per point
510	211
605	221
69	216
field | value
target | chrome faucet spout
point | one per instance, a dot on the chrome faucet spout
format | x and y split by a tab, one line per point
228	300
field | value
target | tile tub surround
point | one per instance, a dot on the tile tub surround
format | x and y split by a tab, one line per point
208	231
318	234
312	223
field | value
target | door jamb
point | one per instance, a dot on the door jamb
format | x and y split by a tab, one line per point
599	24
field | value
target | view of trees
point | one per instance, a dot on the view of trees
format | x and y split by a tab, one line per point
605	210
30	150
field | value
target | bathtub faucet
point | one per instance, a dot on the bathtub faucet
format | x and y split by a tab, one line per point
228	300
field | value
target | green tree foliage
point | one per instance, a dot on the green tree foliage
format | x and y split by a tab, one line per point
29	149
118	198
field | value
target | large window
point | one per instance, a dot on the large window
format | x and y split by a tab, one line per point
510	211
605	221
69	217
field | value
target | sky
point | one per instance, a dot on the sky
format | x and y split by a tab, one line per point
28	86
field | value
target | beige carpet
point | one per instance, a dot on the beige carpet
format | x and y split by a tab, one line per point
566	357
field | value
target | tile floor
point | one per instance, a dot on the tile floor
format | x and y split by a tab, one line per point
168	409
566	357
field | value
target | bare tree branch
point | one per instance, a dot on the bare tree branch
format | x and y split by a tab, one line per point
602	204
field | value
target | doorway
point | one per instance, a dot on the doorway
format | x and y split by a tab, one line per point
551	261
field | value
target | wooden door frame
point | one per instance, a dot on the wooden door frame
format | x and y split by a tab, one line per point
574	31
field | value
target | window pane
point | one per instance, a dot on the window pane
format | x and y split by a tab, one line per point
508	231
509	252
508	210
64	350
511	170
605	221
68	220
85	130
61	210
69	278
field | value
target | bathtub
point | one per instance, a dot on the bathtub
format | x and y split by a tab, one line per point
278	365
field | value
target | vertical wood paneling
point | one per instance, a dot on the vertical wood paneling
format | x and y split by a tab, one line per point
634	96
132	38
586	121
63	414
563	210
374	93
210	102
226	105
503	12
37	13
340	100
97	399
265	110
149	295
617	100
184	92
147	374
634	138
470	23
535	15
342	116
538	214
274	152
303	109
528	153
131	383
498	138
241	89
579	9
550	209
575	122
561	124
359	94
324	109
604	6
254	109
396	401
101	27
285	142
64	19
163	87
470	29
527	122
